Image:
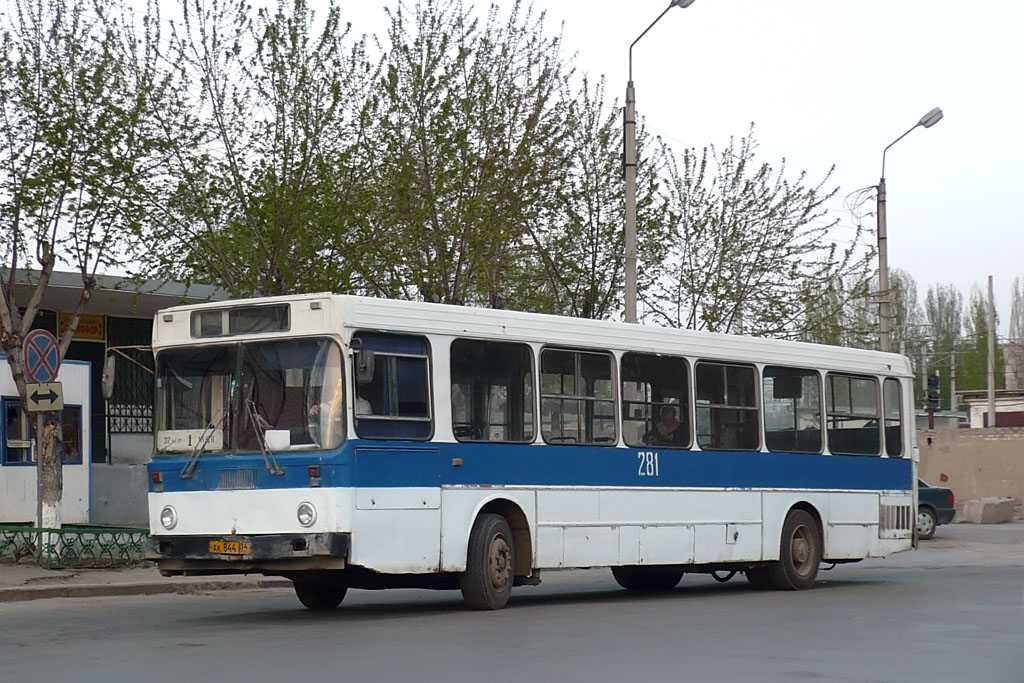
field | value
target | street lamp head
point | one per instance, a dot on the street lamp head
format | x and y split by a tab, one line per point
683	4
931	118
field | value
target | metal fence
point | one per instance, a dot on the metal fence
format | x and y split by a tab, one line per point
73	547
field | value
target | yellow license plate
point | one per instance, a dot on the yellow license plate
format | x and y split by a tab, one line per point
230	547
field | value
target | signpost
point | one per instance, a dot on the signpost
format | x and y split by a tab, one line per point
43	394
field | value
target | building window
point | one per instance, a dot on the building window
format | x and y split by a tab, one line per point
655	401
792	410
392	386
71	435
893	418
577	401
853	415
492	391
17	434
727	407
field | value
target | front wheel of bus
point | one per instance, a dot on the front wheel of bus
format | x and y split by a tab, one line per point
800	553
490	564
319	596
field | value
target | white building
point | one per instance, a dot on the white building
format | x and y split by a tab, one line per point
18	470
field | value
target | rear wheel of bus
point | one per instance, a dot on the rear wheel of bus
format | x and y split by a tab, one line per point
800	554
318	595
651	579
490	564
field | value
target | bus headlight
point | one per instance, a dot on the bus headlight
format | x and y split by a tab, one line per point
306	514
168	518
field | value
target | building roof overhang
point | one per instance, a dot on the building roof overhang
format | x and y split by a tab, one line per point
114	296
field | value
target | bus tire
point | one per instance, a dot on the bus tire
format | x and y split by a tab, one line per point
799	554
647	579
490	564
319	596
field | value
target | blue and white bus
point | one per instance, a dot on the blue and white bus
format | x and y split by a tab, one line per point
347	442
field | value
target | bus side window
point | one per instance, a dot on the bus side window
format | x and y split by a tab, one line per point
655	401
395	402
893	407
577	397
727	415
492	391
792	410
854	424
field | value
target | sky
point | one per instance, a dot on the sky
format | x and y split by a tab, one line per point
830	83
833	82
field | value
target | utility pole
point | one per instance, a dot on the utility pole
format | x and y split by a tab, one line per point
991	356
952	383
924	375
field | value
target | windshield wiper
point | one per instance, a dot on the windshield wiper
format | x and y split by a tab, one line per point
261	425
193	458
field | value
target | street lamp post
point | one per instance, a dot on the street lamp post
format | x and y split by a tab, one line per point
927	121
629	160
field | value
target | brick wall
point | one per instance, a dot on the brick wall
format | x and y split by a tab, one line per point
975	462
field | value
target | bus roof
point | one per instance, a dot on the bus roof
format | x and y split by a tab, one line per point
345	314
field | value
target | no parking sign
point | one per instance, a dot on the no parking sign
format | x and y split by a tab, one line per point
42	357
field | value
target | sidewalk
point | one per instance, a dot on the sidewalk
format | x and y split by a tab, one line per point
19	582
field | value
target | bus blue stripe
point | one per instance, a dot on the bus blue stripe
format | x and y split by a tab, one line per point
400	464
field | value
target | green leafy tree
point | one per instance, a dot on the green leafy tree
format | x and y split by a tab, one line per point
943	307
80	87
470	150
972	360
265	191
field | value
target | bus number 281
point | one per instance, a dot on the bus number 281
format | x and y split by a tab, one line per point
648	463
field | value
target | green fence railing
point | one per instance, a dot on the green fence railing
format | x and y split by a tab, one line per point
73	546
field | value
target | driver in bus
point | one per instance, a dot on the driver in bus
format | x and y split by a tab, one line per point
667	430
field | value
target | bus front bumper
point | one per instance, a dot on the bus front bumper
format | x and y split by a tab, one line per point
268	553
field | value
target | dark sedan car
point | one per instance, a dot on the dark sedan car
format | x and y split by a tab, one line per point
934	507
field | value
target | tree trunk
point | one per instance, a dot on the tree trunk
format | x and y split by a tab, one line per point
52	472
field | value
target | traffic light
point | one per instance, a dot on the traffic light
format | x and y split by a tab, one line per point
933	392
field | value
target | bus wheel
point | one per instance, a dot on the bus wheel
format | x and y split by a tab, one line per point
490	563
800	553
649	579
319	596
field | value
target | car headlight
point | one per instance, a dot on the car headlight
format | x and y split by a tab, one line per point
306	514
168	518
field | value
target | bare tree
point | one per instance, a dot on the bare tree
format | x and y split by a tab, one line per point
748	245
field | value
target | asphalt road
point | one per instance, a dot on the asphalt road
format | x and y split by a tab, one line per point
953	611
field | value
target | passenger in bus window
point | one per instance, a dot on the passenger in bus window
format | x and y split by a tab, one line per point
666	430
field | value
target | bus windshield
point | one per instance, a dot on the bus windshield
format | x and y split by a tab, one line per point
264	396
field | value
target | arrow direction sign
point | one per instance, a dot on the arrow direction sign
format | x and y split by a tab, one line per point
45	397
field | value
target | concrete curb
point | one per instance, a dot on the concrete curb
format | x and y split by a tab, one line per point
23	594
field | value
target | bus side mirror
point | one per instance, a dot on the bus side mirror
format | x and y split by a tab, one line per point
364	366
107	380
